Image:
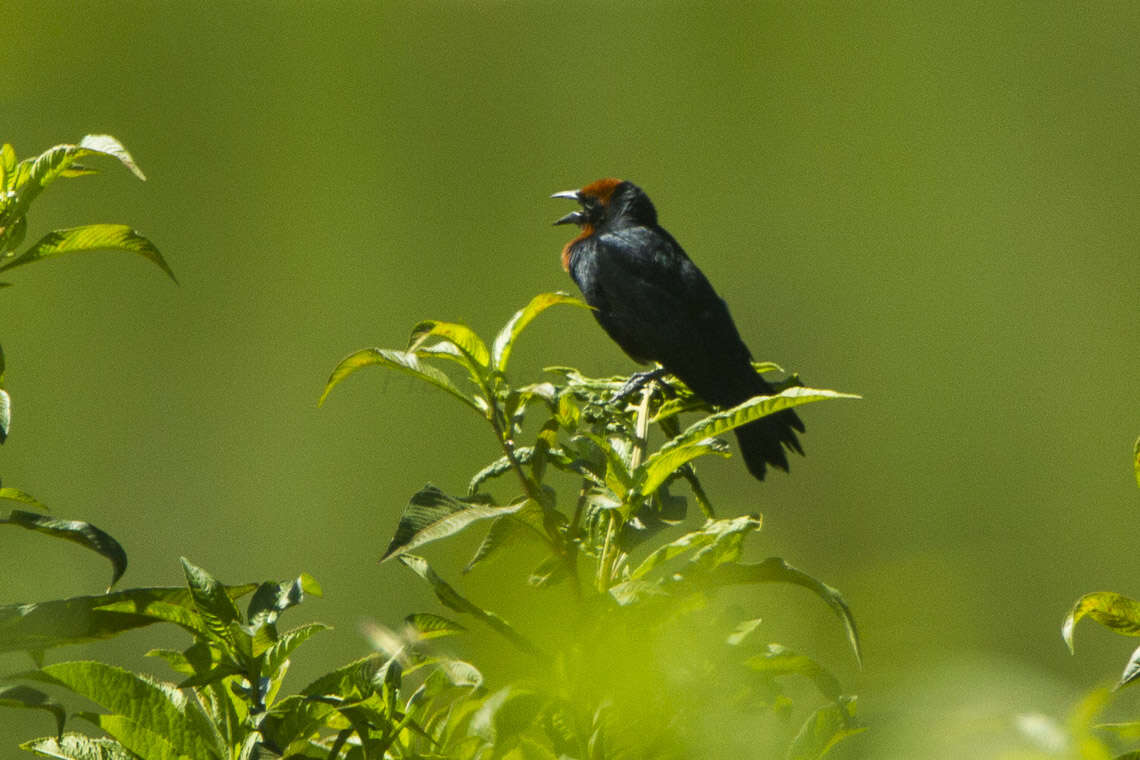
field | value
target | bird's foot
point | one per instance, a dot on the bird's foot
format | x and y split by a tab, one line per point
637	381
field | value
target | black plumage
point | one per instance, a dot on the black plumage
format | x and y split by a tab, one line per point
659	307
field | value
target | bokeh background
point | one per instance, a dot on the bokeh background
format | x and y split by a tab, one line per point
930	204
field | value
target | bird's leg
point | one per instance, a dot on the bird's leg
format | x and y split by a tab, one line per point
636	382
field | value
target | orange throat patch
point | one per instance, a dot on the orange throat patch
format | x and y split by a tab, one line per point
587	230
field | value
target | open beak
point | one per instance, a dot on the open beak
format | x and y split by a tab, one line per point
574	217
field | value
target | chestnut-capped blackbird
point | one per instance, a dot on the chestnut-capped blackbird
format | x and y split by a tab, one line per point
656	304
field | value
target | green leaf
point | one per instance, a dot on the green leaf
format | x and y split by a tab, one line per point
425	626
82	619
1131	670
453	600
505	340
72	746
14	494
91	237
506	714
277	654
693	442
7	171
397	360
109	146
776	570
712	533
470	345
503	532
1115	611
825	728
156	706
136	736
33	699
743	630
779	661
431	515
1136	460
5	414
83	533
211	601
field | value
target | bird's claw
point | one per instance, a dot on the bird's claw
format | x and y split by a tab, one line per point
636	382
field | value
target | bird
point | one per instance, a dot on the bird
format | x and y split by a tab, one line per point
655	303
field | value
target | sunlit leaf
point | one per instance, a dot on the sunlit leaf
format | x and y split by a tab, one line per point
5	414
431	515
33	699
505	340
1112	610
91	237
73	746
454	600
693	441
711	533
7	171
398	360
1136	459
211	600
461	336
825	728
15	494
277	654
156	706
743	631
1131	670
77	531
109	146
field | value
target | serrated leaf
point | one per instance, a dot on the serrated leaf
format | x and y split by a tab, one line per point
72	746
136	736
156	706
711	533
505	340
1112	610
15	494
211	601
776	570
461	336
693	441
77	531
91	237
398	360
431	515
33	699
825	728
454	600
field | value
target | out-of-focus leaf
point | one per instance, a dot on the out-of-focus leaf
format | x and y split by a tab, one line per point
33	699
1136	460
425	625
506	714
1112	610
693	441
15	494
776	570
454	600
825	728
397	360
155	706
505	340
73	746
743	630
779	661
712	533
5	414
77	531
91	237
431	515
461	336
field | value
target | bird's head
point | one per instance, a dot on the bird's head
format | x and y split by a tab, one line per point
608	201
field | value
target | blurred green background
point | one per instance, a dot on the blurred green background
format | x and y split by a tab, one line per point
931	204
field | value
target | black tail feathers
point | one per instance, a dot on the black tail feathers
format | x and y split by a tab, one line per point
762	442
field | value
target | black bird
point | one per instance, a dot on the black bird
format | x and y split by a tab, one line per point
656	304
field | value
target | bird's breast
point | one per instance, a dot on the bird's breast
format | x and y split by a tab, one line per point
587	230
